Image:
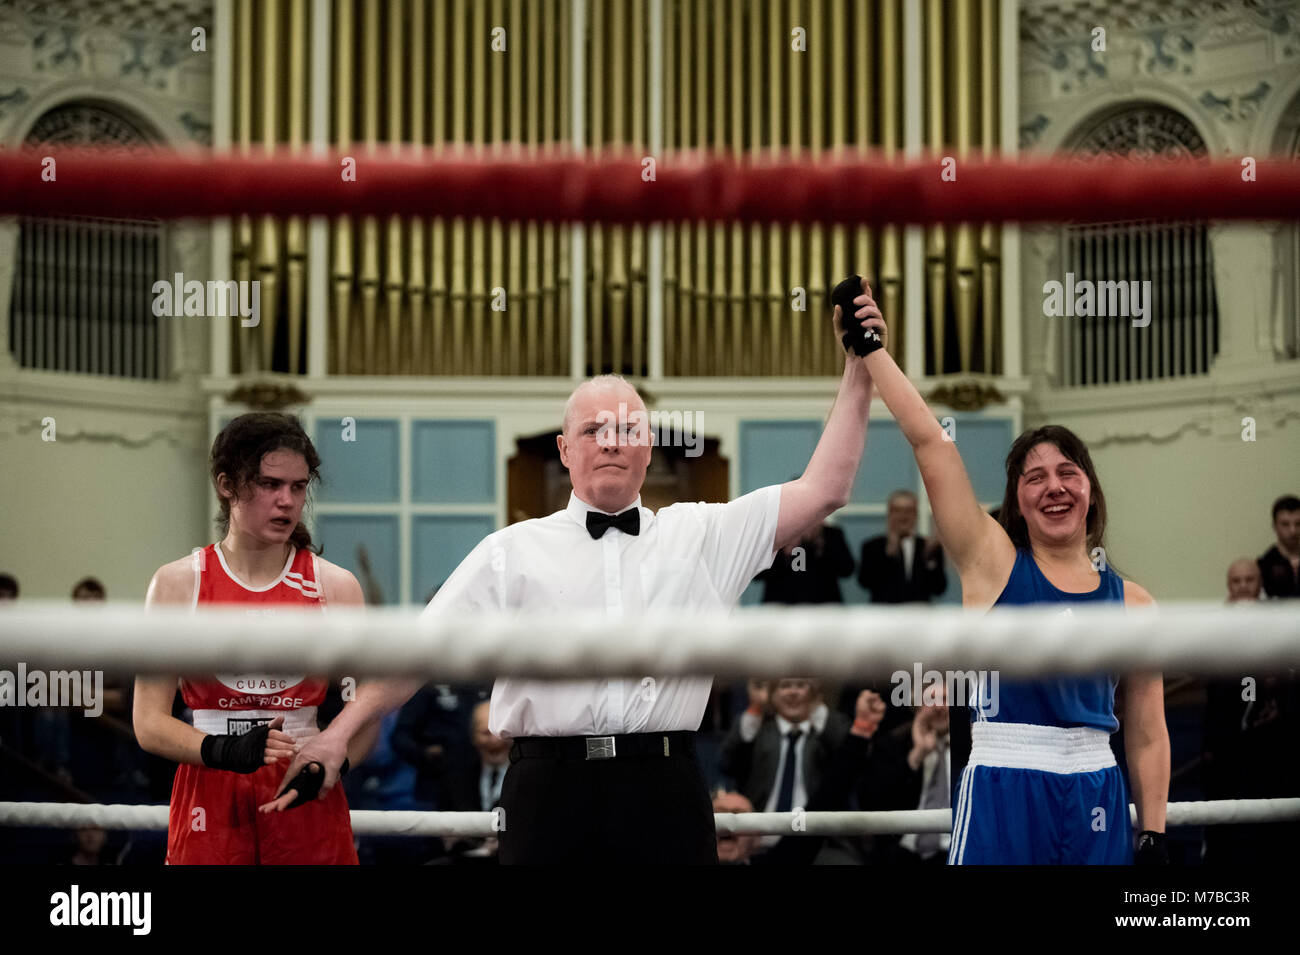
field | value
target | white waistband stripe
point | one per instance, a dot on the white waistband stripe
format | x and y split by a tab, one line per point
299	723
1051	749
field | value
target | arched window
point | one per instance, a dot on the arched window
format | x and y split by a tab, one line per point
83	287
1159	276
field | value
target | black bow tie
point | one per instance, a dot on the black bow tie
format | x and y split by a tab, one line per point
629	522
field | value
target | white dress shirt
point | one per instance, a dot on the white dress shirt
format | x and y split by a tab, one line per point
815	723
686	557
908	546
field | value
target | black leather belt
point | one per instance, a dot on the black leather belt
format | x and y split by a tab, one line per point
676	743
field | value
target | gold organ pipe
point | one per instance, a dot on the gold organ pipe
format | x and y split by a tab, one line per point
936	252
703	280
686	287
722	362
815	273
778	294
889	294
342	268
479	282
796	271
244	60
495	267
672	280
370	79
964	254
863	49
550	133
616	292
755	300
394	275
459	250
639	37
439	281
595	288
419	286
520	302
839	111
296	236
268	253
738	352
564	133
990	234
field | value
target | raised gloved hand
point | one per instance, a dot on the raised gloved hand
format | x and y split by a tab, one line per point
859	340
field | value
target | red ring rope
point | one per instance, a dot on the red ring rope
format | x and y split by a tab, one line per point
612	190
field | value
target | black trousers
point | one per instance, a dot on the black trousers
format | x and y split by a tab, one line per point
634	810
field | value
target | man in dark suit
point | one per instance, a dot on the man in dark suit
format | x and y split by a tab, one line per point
809	572
477	788
776	754
902	567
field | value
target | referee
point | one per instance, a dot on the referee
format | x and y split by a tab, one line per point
604	770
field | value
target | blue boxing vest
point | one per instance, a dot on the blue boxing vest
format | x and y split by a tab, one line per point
1053	701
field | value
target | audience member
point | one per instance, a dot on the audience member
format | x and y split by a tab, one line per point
433	735
477	787
808	572
930	763
734	849
778	749
1251	726
1280	566
1244	581
90	844
901	566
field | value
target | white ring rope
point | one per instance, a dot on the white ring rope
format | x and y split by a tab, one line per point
772	641
369	822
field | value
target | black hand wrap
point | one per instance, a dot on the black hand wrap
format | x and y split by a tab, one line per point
862	341
1151	849
240	753
308	783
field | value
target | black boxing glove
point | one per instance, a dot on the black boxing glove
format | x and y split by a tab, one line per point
1151	849
239	753
308	783
861	341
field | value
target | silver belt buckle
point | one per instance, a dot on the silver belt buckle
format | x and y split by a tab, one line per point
600	747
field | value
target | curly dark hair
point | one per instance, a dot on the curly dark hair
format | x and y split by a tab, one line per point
237	453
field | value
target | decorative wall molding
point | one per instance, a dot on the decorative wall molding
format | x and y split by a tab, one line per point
1231	107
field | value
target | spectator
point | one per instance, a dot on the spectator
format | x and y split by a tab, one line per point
1244	580
1280	566
734	849
809	572
478	787
8	588
931	766
902	567
776	753
90	847
1251	725
88	588
432	734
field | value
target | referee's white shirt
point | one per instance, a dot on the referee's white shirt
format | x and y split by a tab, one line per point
687	556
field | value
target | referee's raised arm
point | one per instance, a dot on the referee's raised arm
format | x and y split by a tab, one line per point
825	485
